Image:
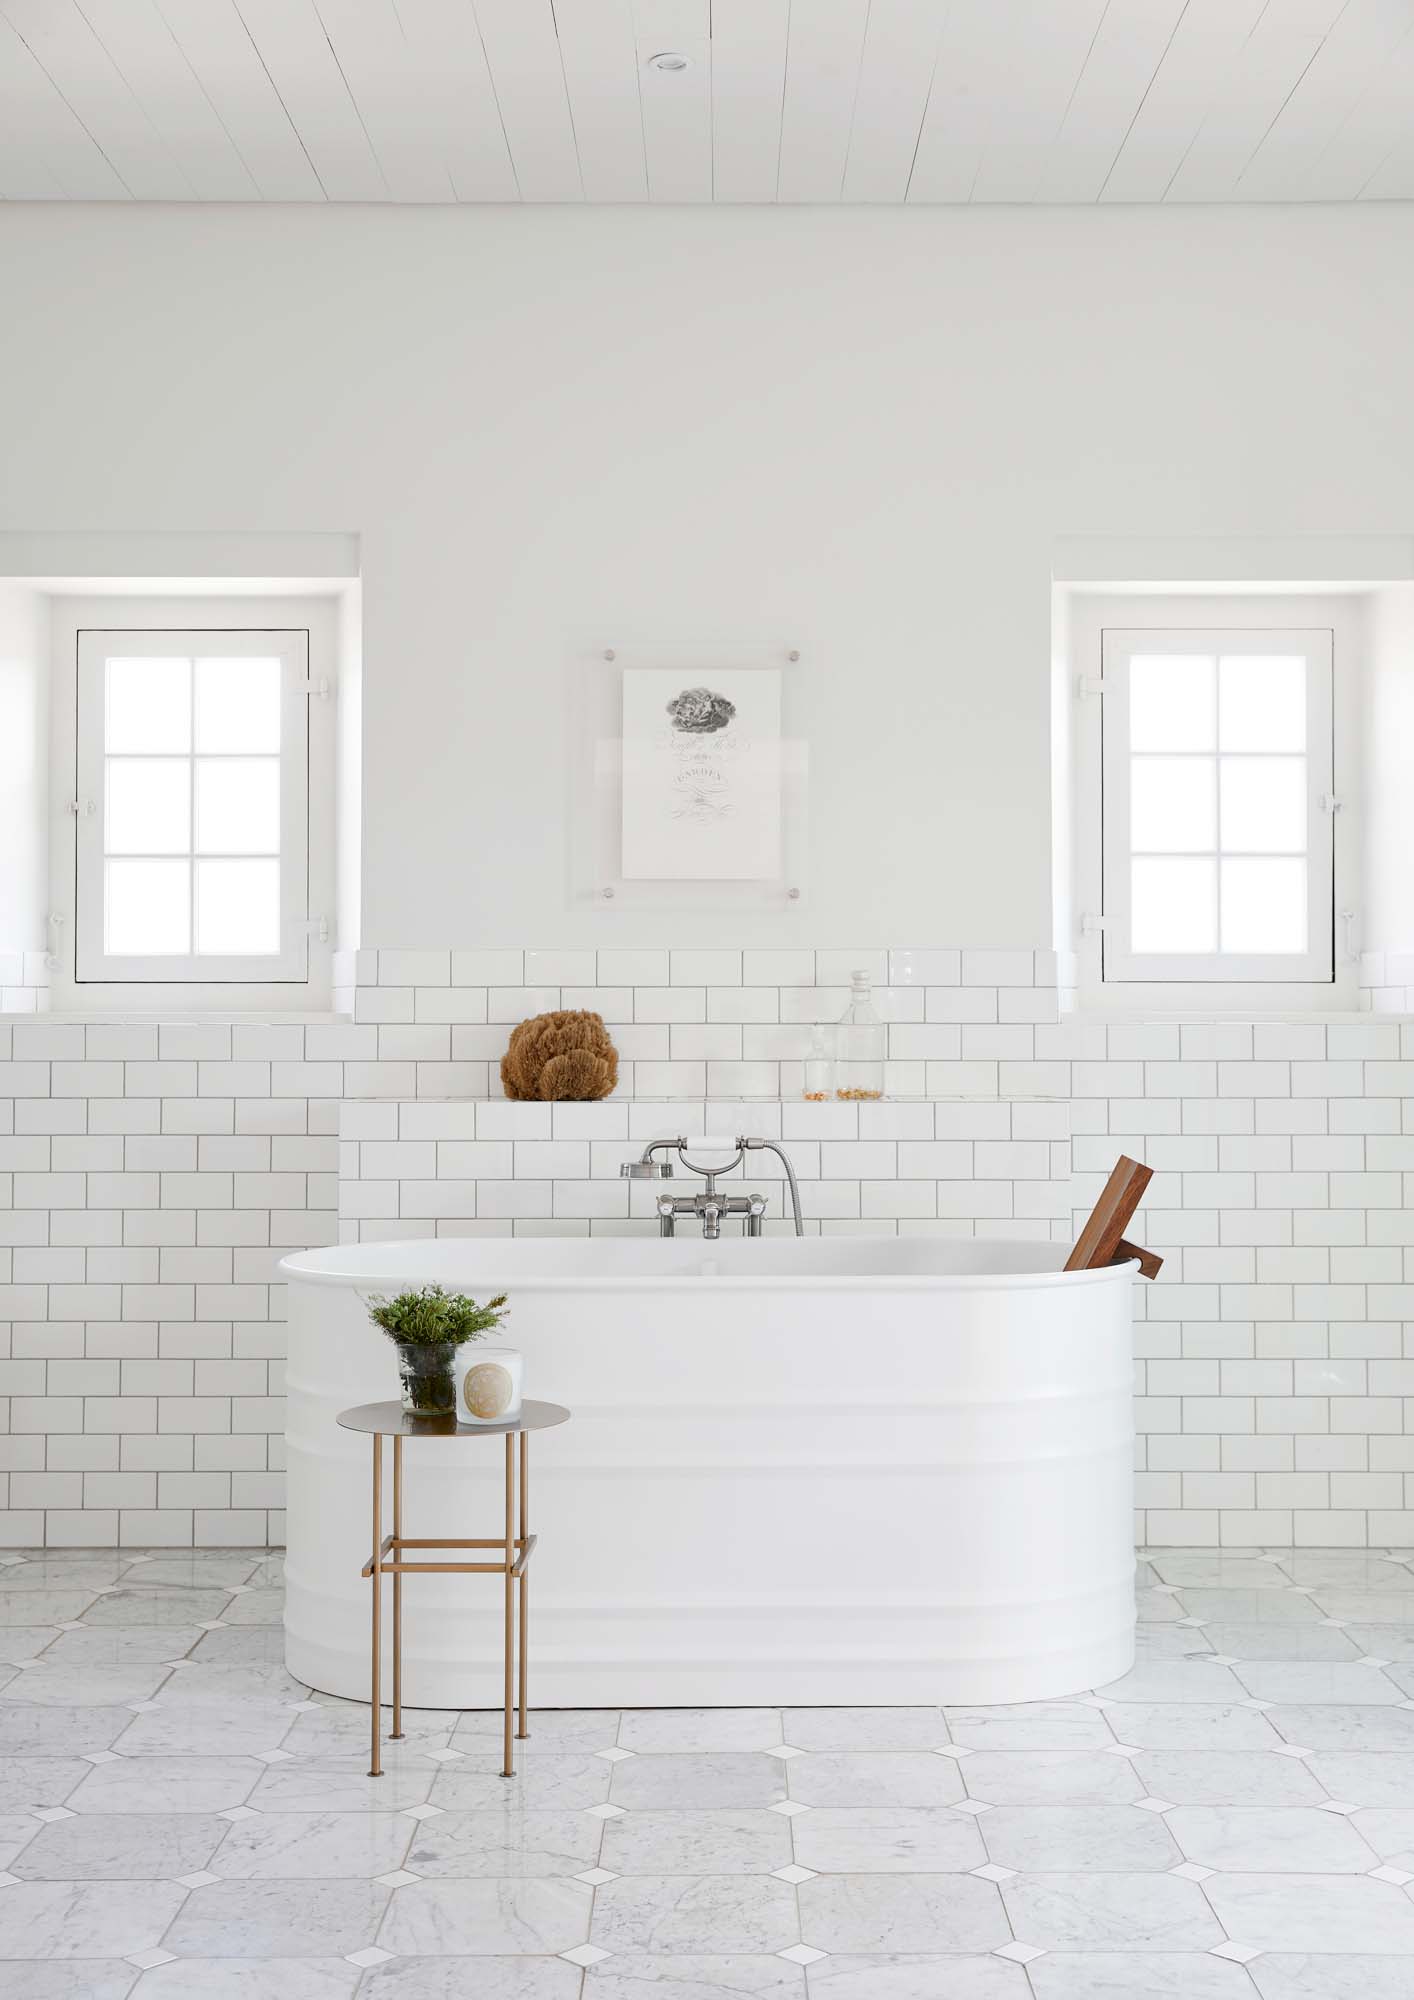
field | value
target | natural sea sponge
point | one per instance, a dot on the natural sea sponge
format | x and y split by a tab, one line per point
559	1056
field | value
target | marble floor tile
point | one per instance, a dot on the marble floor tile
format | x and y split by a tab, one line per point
1271	1839
26	1642
695	1914
511	1842
126	1847
864	1728
193	1569
16	1832
721	1778
278	1919
1297	1681
1347	1569
57	1732
1360	1976
1137	1975
494	1979
901	1913
1226	1777
1176	1680
1157	1607
255	1607
201	1731
1394	1643
166	1785
1402	1674
312	1846
1286	1642
910	1976
1317	1913
77	1569
29	1784
893	1840
875	1778
72	1979
549	1784
223	1684
475	1918
1078	1838
1363	1607
1389	1830
1171	1642
85	1919
1190	1725
1365	1777
1251	1607
1050	1777
122	1645
1035	1725
1105	1912
554	1732
1218	1571
83	1685
747	1841
633	1977
702	1729
1331	1726
42	1607
240	1645
313	1788
250	1979
133	1604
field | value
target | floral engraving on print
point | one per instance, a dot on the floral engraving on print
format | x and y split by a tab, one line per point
699	712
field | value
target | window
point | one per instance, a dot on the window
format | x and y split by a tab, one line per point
1218	807
192	806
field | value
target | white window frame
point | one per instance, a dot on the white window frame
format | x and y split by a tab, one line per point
195	984
93	962
1105	982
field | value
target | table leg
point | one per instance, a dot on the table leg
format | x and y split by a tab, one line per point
508	1636
375	1769
525	1573
397	1589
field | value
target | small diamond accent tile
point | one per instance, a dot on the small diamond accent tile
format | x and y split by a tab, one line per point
1091	1700
1388	1874
145	1960
790	1807
101	1757
955	1750
144	1707
197	1881
1369	1660
371	1954
1191	1872
397	1877
1122	1750
801	1954
238	1813
1335	1624
274	1756
7	1880
1022	1954
594	1876
1155	1805
973	1806
1337	1806
211	1624
784	1751
51	1813
1259	1706
444	1756
307	1707
613	1755
605	1812
1224	1660
990	1872
584	1954
1243	1953
795	1873
1290	1750
422	1812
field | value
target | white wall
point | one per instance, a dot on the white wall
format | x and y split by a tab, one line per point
850	431
24	772
1389	817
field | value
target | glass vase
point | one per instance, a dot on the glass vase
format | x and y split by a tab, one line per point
429	1378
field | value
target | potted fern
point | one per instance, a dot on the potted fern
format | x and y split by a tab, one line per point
428	1327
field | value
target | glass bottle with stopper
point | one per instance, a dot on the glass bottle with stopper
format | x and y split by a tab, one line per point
860	1044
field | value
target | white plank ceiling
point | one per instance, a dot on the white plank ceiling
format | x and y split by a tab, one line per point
773	100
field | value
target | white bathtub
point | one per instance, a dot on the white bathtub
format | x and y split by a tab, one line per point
832	1470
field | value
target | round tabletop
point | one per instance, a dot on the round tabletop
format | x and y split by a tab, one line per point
392	1420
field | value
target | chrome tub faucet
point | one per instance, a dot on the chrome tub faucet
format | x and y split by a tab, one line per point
710	1205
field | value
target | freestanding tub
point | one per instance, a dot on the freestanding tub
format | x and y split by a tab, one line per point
826	1470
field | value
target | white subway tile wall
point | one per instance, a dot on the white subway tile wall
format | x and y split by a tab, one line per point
151	1175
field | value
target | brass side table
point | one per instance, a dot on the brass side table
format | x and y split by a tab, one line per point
516	1544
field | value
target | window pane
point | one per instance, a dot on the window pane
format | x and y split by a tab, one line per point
148	705
1174	906
238	805
147	908
1171	704
1262	702
1264	905
1172	804
147	805
1264	804
237	906
237	705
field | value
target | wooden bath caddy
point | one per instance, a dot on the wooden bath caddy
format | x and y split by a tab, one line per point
1102	1240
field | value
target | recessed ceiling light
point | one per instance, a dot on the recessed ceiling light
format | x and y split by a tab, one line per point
668	60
